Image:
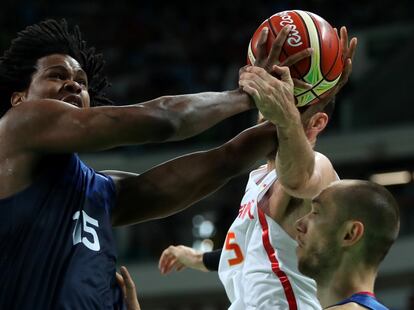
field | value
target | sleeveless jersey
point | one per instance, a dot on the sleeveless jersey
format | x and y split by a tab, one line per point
258	265
56	244
364	299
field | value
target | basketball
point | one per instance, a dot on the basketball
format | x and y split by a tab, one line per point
323	69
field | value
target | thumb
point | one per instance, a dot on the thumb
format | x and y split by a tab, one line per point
129	284
131	294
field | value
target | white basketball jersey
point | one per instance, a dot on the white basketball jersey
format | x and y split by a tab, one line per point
258	264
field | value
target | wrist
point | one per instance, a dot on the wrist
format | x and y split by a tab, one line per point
291	128
292	120
242	96
199	259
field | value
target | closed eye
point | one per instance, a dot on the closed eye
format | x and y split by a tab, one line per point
82	82
57	75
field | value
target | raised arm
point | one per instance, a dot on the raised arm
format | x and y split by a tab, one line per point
302	172
179	183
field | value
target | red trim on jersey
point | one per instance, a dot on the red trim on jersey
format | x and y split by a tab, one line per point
271	254
366	293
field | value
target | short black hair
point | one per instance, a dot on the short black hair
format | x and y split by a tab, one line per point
18	63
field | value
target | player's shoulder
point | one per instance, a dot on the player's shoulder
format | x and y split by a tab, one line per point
348	306
320	156
325	166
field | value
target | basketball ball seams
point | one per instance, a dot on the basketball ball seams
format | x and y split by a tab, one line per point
325	75
274	32
319	44
322	69
307	36
338	54
333	65
316	85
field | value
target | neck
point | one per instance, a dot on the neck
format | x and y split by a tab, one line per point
345	281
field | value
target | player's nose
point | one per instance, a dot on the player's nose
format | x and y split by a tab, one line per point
72	87
300	225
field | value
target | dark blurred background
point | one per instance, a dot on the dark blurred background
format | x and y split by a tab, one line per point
154	48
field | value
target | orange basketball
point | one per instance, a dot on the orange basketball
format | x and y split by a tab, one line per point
323	69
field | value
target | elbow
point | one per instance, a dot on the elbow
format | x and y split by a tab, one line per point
304	188
168	119
165	122
293	187
166	130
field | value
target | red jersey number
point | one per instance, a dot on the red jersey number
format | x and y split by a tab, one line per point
233	246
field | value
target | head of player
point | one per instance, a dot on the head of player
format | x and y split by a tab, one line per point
47	61
314	118
344	238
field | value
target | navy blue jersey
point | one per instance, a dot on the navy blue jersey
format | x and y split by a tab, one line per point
364	299
56	244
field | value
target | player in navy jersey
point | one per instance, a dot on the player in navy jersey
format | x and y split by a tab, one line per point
343	240
56	244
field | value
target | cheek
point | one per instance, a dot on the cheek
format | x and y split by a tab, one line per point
42	90
317	240
86	99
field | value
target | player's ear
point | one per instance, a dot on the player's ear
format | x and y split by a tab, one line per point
17	97
352	232
319	121
316	124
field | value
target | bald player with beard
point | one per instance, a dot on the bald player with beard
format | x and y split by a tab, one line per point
343	240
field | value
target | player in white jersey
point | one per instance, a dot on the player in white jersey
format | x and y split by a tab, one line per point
258	264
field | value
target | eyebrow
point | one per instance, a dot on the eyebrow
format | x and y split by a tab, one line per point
316	200
316	203
65	68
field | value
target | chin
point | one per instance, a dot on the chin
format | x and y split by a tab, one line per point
307	268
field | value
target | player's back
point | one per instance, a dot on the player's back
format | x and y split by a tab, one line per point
258	265
56	241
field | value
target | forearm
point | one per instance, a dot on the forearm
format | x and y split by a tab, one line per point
295	159
179	183
192	114
251	145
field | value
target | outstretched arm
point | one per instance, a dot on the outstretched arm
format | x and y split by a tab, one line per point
180	257
179	183
56	126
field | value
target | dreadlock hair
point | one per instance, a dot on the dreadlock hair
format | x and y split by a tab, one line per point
18	63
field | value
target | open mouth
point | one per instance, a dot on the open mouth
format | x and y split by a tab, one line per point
74	100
